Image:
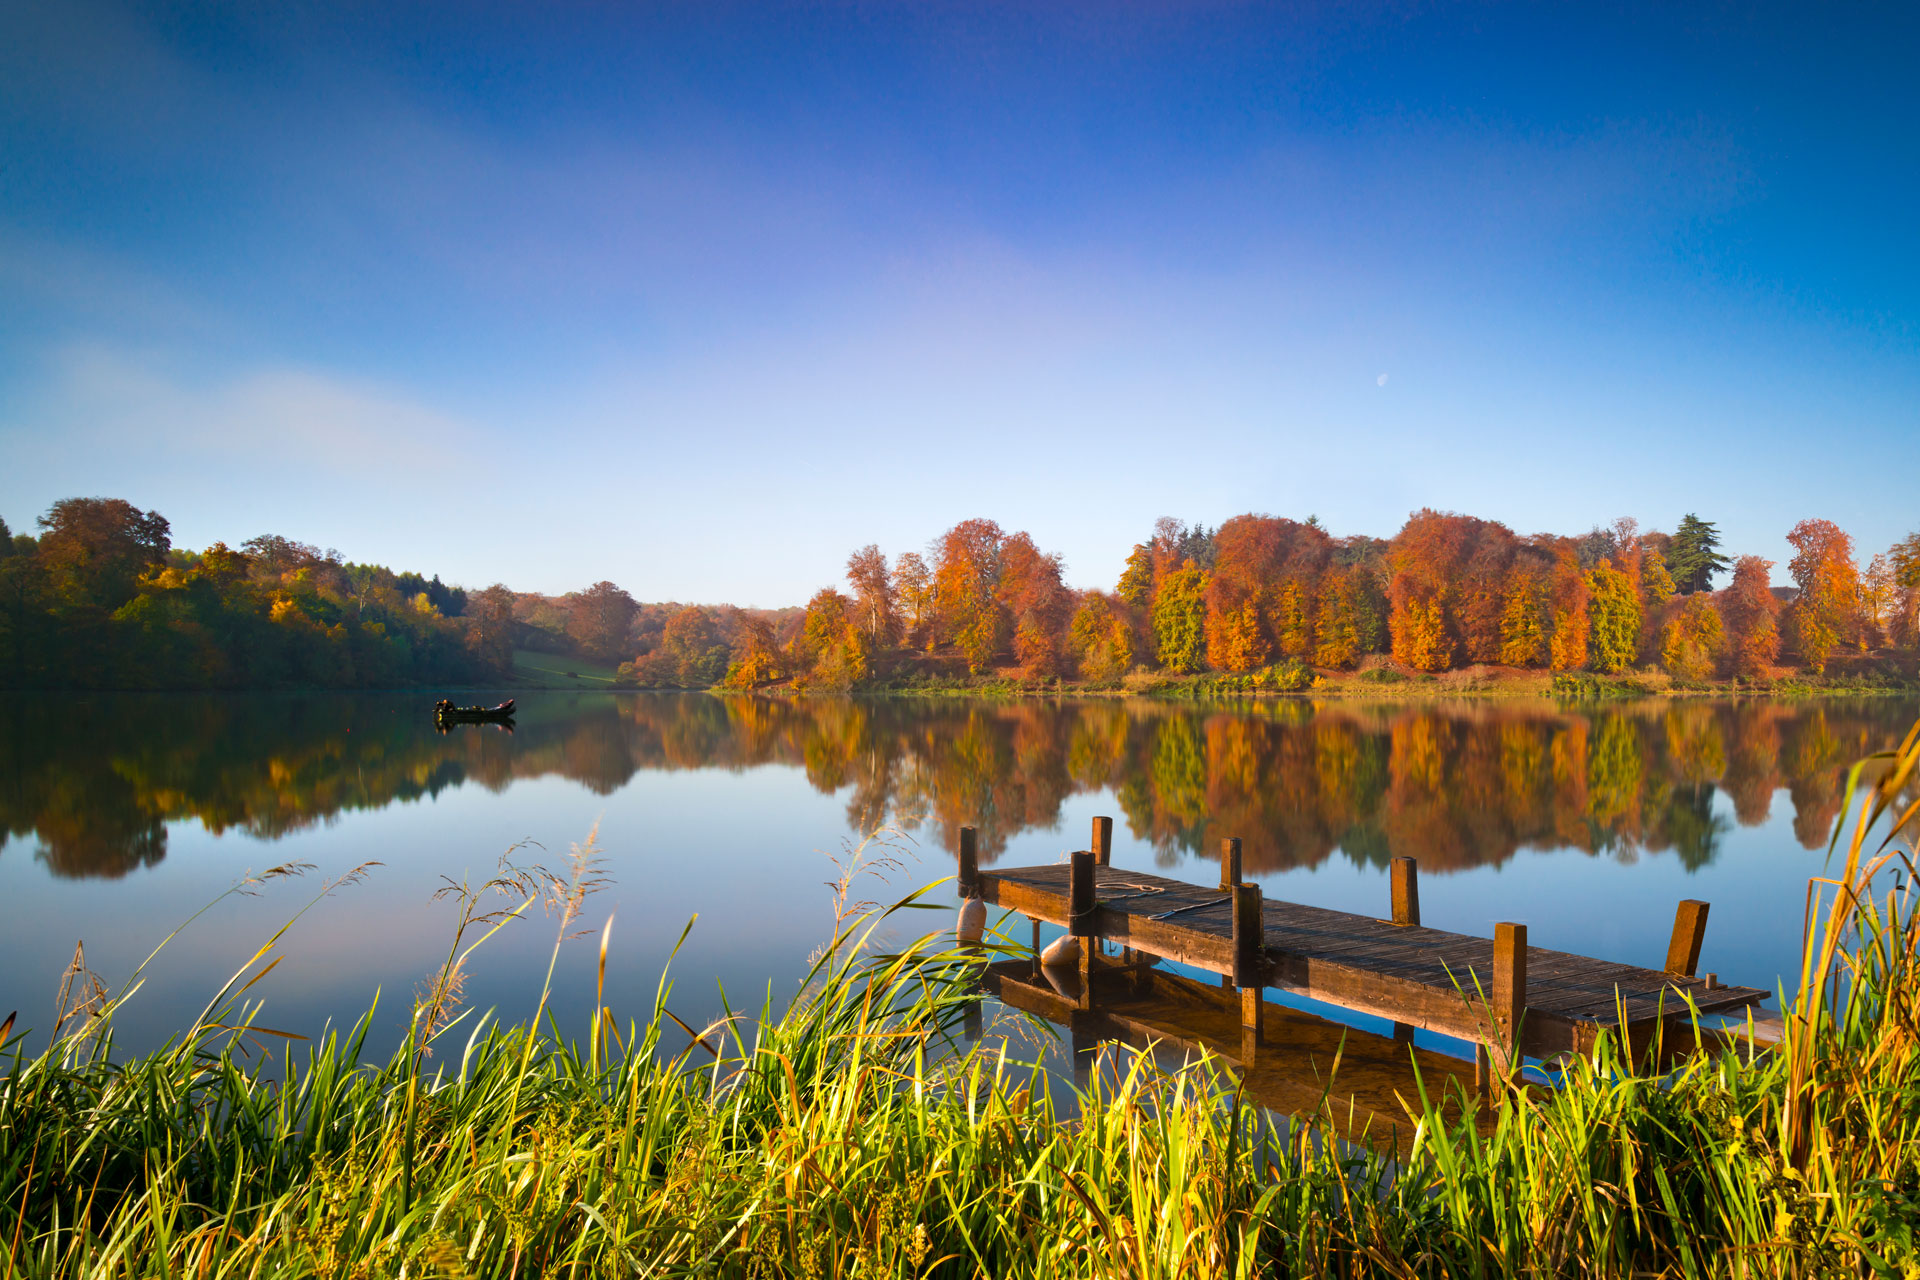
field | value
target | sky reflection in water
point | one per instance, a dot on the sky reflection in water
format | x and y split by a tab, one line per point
124	815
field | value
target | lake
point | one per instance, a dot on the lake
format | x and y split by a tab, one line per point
121	816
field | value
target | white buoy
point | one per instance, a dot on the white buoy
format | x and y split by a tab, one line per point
973	920
1064	950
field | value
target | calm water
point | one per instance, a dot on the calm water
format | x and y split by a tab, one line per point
122	816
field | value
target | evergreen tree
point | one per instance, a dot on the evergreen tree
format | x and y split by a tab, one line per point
1693	557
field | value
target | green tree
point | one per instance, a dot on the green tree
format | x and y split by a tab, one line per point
1613	619
1136	581
1179	619
1692	555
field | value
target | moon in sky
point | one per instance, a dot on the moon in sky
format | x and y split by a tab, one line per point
1380	381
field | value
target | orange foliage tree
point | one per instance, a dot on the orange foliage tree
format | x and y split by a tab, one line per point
1693	639
1036	603
1826	610
966	576
875	604
1749	610
1568	593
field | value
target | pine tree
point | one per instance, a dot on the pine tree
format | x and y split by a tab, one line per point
1692	555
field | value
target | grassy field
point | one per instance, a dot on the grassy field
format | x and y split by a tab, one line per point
855	1135
554	671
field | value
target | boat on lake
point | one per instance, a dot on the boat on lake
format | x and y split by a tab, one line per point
444	712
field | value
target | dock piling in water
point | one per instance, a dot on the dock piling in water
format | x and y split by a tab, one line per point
1406	891
1689	930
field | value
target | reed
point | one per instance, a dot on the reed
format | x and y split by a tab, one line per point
855	1134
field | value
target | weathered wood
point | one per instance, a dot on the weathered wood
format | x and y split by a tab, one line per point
1035	922
1689	930
1406	891
969	877
1080	900
1229	862
1249	938
1103	841
1419	978
1509	976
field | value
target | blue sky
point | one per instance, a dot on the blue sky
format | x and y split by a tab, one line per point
702	297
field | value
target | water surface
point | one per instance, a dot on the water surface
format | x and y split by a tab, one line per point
120	816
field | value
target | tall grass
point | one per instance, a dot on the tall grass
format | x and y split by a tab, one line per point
855	1134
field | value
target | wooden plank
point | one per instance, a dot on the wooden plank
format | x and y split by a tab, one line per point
1689	929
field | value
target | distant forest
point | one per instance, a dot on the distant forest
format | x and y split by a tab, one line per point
101	599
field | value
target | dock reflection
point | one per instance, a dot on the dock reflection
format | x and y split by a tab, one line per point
1370	1086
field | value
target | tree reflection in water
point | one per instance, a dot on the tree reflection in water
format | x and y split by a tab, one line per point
93	781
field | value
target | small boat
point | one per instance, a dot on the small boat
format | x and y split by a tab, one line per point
444	712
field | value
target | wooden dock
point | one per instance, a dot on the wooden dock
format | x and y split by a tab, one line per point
1366	1084
1512	999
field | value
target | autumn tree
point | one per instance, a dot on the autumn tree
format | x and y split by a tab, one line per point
1748	609
1568	595
1523	631
913	583
1336	623
1826	609
489	623
1613	619
874	600
690	654
95	550
1904	559
599	618
1693	639
1877	595
756	656
1447	588
1692	555
1100	639
1035	603
965	580
1179	619
1136	580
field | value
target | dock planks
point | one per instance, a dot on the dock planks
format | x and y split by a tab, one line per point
1412	975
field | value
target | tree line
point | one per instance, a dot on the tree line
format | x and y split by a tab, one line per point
1279	597
100	598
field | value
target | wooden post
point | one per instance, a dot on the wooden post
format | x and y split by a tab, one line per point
1103	841
1509	989
1080	922
1230	862
1035	922
969	878
1689	928
1406	891
1249	963
1080	905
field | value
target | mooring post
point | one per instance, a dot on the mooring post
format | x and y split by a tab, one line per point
1689	929
1249	964
1230	862
1103	841
1509	989
1080	921
969	877
1035	922
1406	891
